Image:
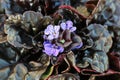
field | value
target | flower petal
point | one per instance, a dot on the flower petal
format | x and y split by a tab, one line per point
56	35
72	29
50	37
69	24
47	45
46	32
61	49
50	29
55	52
63	26
48	51
56	28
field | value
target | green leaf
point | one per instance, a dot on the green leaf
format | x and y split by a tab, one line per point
47	73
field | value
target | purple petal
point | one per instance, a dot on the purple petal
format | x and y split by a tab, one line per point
61	49
44	36
63	26
69	24
46	32
50	37
47	45
55	52
50	29
56	35
48	51
56	28
72	29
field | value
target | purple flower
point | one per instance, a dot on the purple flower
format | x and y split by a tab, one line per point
52	49
52	32
68	26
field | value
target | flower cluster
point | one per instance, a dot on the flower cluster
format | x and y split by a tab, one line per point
52	32
59	38
52	49
68	26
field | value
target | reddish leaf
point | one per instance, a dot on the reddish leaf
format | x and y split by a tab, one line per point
114	58
65	76
73	10
94	73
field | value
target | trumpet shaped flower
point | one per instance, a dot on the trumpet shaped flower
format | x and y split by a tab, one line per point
68	25
57	40
52	32
52	49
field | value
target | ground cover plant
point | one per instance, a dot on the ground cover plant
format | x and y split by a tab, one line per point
59	39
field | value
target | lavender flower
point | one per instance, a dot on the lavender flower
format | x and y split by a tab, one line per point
52	49
66	39
52	32
68	26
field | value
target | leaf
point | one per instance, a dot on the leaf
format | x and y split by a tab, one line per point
101	37
36	75
3	37
32	17
99	62
71	58
109	9
68	66
65	76
114	59
4	73
83	10
42	62
4	6
70	8
115	19
10	54
39	68
28	5
103	44
18	73
48	72
83	64
46	20
94	73
44	59
17	37
3	63
35	65
76	41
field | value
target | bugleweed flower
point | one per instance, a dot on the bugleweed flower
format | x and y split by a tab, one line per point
68	38
57	41
52	49
68	26
52	32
